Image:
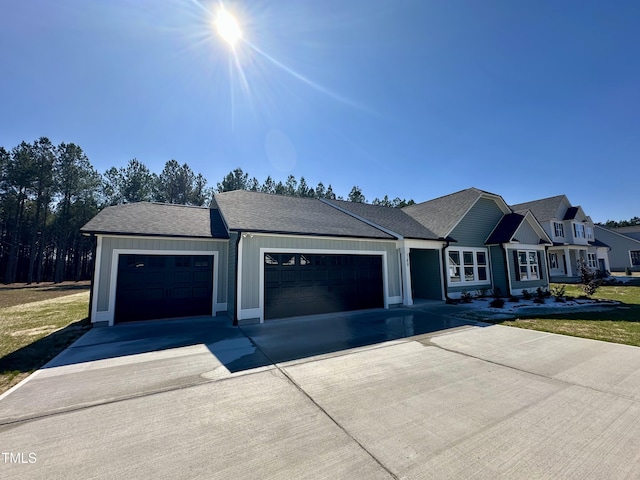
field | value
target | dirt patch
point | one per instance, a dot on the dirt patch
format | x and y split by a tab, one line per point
21	293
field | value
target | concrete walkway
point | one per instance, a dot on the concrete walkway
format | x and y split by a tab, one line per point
463	402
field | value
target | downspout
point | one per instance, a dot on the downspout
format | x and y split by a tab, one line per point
235	292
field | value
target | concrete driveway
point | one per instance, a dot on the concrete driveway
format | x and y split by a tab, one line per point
427	396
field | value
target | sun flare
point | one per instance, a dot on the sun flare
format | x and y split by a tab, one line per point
227	27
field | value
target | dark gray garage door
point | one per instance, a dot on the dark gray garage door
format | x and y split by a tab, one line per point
309	284
163	286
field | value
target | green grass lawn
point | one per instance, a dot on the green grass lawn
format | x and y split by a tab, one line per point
33	333
620	324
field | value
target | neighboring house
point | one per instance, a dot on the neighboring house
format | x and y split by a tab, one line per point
258	257
625	247
488	246
573	235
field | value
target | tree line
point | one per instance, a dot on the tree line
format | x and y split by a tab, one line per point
48	192
632	222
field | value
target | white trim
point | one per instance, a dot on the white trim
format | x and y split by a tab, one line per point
405	272
318	251
239	277
96	280
463	282
423	244
249	313
113	281
395	300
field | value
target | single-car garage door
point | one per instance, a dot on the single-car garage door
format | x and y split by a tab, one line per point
163	286
309	284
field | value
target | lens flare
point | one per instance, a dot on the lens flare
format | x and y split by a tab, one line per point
227	27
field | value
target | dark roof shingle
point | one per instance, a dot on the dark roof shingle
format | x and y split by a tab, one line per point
158	219
263	212
543	209
393	219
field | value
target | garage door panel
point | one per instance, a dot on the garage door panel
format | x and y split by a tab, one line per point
305	284
163	286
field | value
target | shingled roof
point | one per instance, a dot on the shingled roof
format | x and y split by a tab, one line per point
392	219
263	212
442	214
158	219
543	209
506	229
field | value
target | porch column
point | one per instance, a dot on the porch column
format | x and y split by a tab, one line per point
407	298
567	256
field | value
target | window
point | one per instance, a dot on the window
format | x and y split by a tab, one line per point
528	265
578	230
589	233
553	260
468	265
635	257
291	261
558	229
591	260
270	260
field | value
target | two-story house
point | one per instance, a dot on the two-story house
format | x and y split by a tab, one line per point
572	233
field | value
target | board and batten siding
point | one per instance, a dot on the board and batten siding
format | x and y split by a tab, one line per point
474	229
148	245
251	261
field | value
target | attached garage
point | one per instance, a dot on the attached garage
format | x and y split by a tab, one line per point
163	286
308	284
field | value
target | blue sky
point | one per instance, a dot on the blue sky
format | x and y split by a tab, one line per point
415	99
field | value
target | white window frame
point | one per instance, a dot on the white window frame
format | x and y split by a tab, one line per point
631	257
592	260
532	265
589	233
460	268
558	229
578	230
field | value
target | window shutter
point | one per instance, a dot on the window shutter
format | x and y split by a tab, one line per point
540	266
516	265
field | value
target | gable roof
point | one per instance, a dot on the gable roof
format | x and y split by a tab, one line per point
442	214
391	219
263	212
509	225
158	219
543	209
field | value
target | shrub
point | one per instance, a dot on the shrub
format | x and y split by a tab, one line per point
627	271
557	291
588	278
497	303
465	297
526	294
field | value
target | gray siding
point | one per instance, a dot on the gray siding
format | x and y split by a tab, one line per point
527	235
426	276
530	285
474	229
619	257
251	260
498	269
135	243
231	275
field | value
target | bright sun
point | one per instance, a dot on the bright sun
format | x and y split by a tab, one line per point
227	27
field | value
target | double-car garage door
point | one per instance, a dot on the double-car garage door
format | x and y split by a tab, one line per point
163	286
307	284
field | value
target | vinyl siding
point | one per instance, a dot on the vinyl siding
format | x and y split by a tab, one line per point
619	257
474	229
527	235
251	260
135	243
